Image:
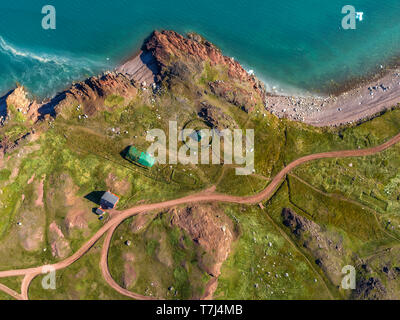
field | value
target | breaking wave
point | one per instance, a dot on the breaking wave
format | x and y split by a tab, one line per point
44	74
7	48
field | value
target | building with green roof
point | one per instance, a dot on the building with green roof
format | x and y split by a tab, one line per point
143	158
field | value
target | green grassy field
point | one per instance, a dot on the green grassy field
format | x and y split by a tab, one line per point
163	257
80	281
48	179
264	264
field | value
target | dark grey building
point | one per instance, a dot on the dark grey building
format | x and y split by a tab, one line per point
108	201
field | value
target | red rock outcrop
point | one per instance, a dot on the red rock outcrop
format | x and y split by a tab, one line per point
211	230
159	51
91	93
240	97
19	100
60	247
166	46
97	87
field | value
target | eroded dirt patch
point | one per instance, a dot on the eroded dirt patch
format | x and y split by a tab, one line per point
141	221
31	230
40	192
31	179
116	185
129	274
210	229
59	245
62	194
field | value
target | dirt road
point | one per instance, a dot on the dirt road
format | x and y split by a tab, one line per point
208	196
10	292
106	273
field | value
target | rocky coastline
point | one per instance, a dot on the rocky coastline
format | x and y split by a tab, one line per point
167	53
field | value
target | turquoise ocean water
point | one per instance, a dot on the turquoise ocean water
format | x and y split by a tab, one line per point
292	44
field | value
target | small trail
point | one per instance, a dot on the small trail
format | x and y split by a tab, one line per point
106	272
10	292
202	197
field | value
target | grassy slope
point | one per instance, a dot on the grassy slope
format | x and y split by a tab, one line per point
164	258
256	270
88	150
81	281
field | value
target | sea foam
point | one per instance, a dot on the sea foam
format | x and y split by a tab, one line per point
8	48
44	73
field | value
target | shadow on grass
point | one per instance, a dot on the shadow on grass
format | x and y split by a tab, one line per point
95	197
124	152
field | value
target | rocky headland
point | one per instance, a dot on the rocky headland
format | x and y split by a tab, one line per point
166	55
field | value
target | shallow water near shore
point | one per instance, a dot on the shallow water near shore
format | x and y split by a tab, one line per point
297	46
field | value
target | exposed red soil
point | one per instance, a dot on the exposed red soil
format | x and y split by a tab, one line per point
40	191
212	234
167	44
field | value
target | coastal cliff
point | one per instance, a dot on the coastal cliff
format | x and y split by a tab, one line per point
165	55
172	61
91	94
168	62
168	46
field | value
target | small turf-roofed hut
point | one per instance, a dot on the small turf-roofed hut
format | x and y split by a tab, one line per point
108	200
